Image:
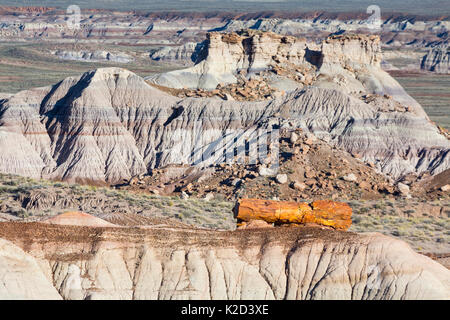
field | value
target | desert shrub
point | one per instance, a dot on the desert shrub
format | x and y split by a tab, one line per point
186	213
364	210
179	215
5	189
367	224
378	206
395	233
356	219
390	204
166	212
22	213
441	223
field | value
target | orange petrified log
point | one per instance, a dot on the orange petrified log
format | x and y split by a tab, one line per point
337	215
334	214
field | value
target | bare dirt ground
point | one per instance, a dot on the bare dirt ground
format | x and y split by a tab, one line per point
26	234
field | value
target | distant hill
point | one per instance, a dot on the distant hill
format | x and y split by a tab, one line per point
428	7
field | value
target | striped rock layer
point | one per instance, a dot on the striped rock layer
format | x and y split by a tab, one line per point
43	261
109	124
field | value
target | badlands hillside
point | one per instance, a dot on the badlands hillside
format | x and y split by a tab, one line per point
437	60
74	262
177	37
172	28
109	125
163	158
39	47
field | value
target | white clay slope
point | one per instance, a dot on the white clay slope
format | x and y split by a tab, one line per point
109	125
368	267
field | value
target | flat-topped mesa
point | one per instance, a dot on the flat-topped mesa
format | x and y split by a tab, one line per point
352	48
228	54
284	63
254	50
337	215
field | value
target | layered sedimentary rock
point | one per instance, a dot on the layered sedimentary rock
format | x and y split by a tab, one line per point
347	49
93	56
231	52
181	27
350	63
21	276
109	124
277	263
322	212
437	60
189	53
395	31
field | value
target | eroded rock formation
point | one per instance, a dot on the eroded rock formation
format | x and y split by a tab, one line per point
349	63
230	52
437	60
21	276
109	124
189	53
94	56
276	263
49	24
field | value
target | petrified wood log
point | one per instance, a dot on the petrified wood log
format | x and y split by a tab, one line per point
337	215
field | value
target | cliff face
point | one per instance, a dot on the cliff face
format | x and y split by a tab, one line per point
109	125
299	263
349	63
345	50
437	60
187	54
230	53
21	276
164	28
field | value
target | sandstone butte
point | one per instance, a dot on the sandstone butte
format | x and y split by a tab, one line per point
337	215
